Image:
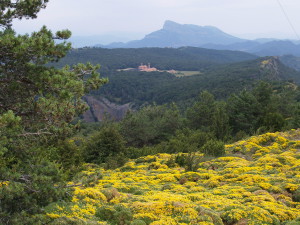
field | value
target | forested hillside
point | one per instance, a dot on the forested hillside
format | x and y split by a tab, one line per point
220	72
140	88
291	61
184	58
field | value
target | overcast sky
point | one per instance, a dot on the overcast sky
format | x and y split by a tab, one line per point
243	18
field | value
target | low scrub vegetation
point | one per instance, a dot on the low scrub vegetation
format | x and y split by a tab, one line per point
256	182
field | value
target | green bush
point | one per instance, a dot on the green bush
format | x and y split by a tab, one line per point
24	218
296	195
104	143
40	183
187	140
116	215
294	222
113	162
150	125
190	161
209	215
72	221
214	148
171	162
89	179
110	193
138	222
69	155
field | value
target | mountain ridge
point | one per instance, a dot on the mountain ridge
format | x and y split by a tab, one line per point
271	48
175	35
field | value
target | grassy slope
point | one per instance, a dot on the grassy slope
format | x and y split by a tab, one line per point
255	183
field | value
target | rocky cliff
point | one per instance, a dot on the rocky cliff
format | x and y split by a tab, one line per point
100	108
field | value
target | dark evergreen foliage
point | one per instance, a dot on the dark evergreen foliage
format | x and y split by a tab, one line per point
184	58
107	142
150	125
141	88
37	104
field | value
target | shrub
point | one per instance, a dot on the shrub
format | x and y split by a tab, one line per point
296	195
72	221
31	191
147	159
88	179
110	193
138	222
187	140
113	162
150	125
189	161
24	218
69	155
209	215
103	144
214	148
294	222
171	162
117	215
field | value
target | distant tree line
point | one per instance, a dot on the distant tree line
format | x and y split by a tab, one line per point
184	58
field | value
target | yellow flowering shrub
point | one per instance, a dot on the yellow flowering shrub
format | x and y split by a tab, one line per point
4	183
253	184
89	193
291	187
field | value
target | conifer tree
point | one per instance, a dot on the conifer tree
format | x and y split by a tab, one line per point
37	104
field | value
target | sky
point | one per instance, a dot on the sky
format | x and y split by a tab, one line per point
132	19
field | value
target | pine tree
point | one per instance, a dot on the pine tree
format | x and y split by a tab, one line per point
200	115
37	104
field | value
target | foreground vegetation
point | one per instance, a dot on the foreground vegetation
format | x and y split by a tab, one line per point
256	182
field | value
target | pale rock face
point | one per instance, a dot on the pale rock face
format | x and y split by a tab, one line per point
101	108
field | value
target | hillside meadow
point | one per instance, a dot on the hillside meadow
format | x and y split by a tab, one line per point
256	182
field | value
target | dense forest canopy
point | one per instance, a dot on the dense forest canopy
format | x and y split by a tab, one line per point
141	88
184	58
220	72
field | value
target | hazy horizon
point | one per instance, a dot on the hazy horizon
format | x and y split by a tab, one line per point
133	19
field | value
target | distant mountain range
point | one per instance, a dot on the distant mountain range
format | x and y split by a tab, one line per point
178	35
272	48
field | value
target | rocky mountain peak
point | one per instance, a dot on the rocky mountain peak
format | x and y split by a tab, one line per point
170	25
